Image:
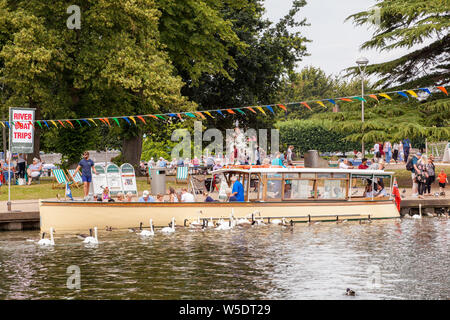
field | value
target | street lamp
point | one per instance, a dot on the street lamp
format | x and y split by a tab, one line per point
362	63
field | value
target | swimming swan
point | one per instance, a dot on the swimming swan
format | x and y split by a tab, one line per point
47	242
90	239
170	229
147	233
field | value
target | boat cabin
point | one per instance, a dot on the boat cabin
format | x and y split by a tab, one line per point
300	184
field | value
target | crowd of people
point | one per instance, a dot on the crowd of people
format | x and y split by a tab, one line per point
397	152
16	168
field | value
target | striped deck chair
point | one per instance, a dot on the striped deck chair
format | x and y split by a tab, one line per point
77	179
182	174
61	178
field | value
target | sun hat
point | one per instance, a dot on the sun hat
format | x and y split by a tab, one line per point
145	193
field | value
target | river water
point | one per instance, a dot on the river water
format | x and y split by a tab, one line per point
401	259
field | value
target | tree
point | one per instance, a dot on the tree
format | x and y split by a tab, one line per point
403	24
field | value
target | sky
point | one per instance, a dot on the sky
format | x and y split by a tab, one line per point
335	44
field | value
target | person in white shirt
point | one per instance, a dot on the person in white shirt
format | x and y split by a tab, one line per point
381	192
345	165
376	150
186	196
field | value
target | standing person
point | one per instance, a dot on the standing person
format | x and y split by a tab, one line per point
421	175
363	164
406	148
86	176
401	153
238	189
411	165
381	149
257	156
431	175
289	155
442	180
376	150
21	165
395	154
235	153
388	151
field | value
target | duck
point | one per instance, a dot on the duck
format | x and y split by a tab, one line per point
136	230
169	229
350	292
108	228
47	242
91	239
148	233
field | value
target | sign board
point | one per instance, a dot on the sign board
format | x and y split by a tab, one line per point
21	129
98	180
113	177
128	179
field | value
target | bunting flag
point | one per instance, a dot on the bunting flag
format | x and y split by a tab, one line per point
373	96
321	103
385	96
306	105
260	109
209	114
143	120
411	92
132	119
403	94
7	124
282	107
443	90
3	124
117	121
126	119
240	110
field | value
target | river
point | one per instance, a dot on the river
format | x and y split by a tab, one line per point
401	259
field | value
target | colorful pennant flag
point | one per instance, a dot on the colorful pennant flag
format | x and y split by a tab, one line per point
282	107
360	98
385	96
260	109
107	121
231	111
346	99
142	119
54	123
209	114
403	94
126	119
240	111
46	124
306	105
251	109
321	103
60	122
161	117
117	121
132	119
201	115
411	92
332	101
270	109
3	124
220	112
70	124
92	120
190	114
78	122
443	90
425	90
374	97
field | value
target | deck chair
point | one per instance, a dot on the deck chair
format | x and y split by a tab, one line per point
77	179
182	174
61	179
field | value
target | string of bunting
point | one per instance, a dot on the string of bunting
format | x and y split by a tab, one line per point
107	121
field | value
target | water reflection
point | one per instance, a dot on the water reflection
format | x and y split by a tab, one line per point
405	259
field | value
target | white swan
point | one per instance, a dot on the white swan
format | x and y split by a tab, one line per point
148	233
276	221
170	229
210	223
47	242
90	239
417	216
227	225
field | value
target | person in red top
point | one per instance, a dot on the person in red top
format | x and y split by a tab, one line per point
442	180
382	154
363	164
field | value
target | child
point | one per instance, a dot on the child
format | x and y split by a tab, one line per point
442	180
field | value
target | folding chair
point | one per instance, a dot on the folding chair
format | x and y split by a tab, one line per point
76	179
182	174
61	178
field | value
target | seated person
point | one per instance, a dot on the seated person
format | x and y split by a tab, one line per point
187	196
327	193
120	197
345	164
159	197
368	192
208	197
146	197
338	193
8	170
105	195
381	192
287	191
363	164
230	196
129	197
34	170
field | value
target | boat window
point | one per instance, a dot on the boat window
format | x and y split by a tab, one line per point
273	189
298	189
308	175
324	175
340	175
291	175
256	188
274	176
331	189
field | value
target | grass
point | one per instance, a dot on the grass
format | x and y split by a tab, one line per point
44	189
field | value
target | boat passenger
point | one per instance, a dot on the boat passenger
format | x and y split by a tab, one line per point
105	195
231	197
146	197
277	160
129	197
208	197
186	196
173	197
381	192
120	197
345	165
159	197
368	193
363	164
238	189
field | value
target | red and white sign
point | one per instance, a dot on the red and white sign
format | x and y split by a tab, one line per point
23	129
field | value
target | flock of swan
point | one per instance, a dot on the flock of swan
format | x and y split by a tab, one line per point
199	224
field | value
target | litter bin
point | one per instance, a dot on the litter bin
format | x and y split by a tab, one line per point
158	180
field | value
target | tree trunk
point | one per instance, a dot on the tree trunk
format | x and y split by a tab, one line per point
132	150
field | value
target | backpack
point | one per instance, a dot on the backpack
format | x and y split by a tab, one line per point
409	165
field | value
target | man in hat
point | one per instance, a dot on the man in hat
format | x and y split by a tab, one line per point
146	197
34	170
86	176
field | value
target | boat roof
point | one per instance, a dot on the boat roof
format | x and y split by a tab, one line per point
365	172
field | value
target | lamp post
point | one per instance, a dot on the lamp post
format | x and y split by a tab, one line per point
362	63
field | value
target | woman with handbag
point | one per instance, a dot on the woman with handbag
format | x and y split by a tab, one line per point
422	175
